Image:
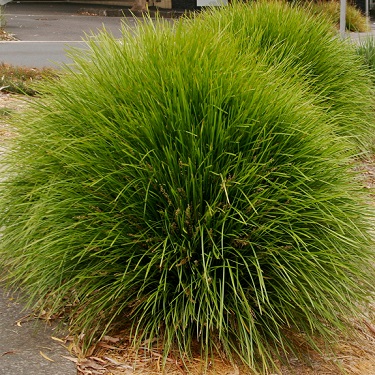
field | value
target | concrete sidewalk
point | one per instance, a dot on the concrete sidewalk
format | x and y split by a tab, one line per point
26	344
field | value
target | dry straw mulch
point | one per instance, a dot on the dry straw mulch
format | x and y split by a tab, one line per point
6	36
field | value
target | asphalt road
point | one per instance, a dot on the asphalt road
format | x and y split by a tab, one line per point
45	32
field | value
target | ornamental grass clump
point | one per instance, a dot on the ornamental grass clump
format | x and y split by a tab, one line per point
304	44
356	20
366	50
169	180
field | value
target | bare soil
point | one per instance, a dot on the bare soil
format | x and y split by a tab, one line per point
114	356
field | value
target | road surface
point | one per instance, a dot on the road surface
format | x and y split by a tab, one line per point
45	31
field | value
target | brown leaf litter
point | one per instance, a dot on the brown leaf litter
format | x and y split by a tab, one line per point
6	36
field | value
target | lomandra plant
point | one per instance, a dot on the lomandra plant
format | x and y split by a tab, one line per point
355	20
366	50
172	181
306	45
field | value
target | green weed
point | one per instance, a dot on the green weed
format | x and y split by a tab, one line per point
5	111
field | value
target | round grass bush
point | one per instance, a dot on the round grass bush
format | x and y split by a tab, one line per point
304	44
171	180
